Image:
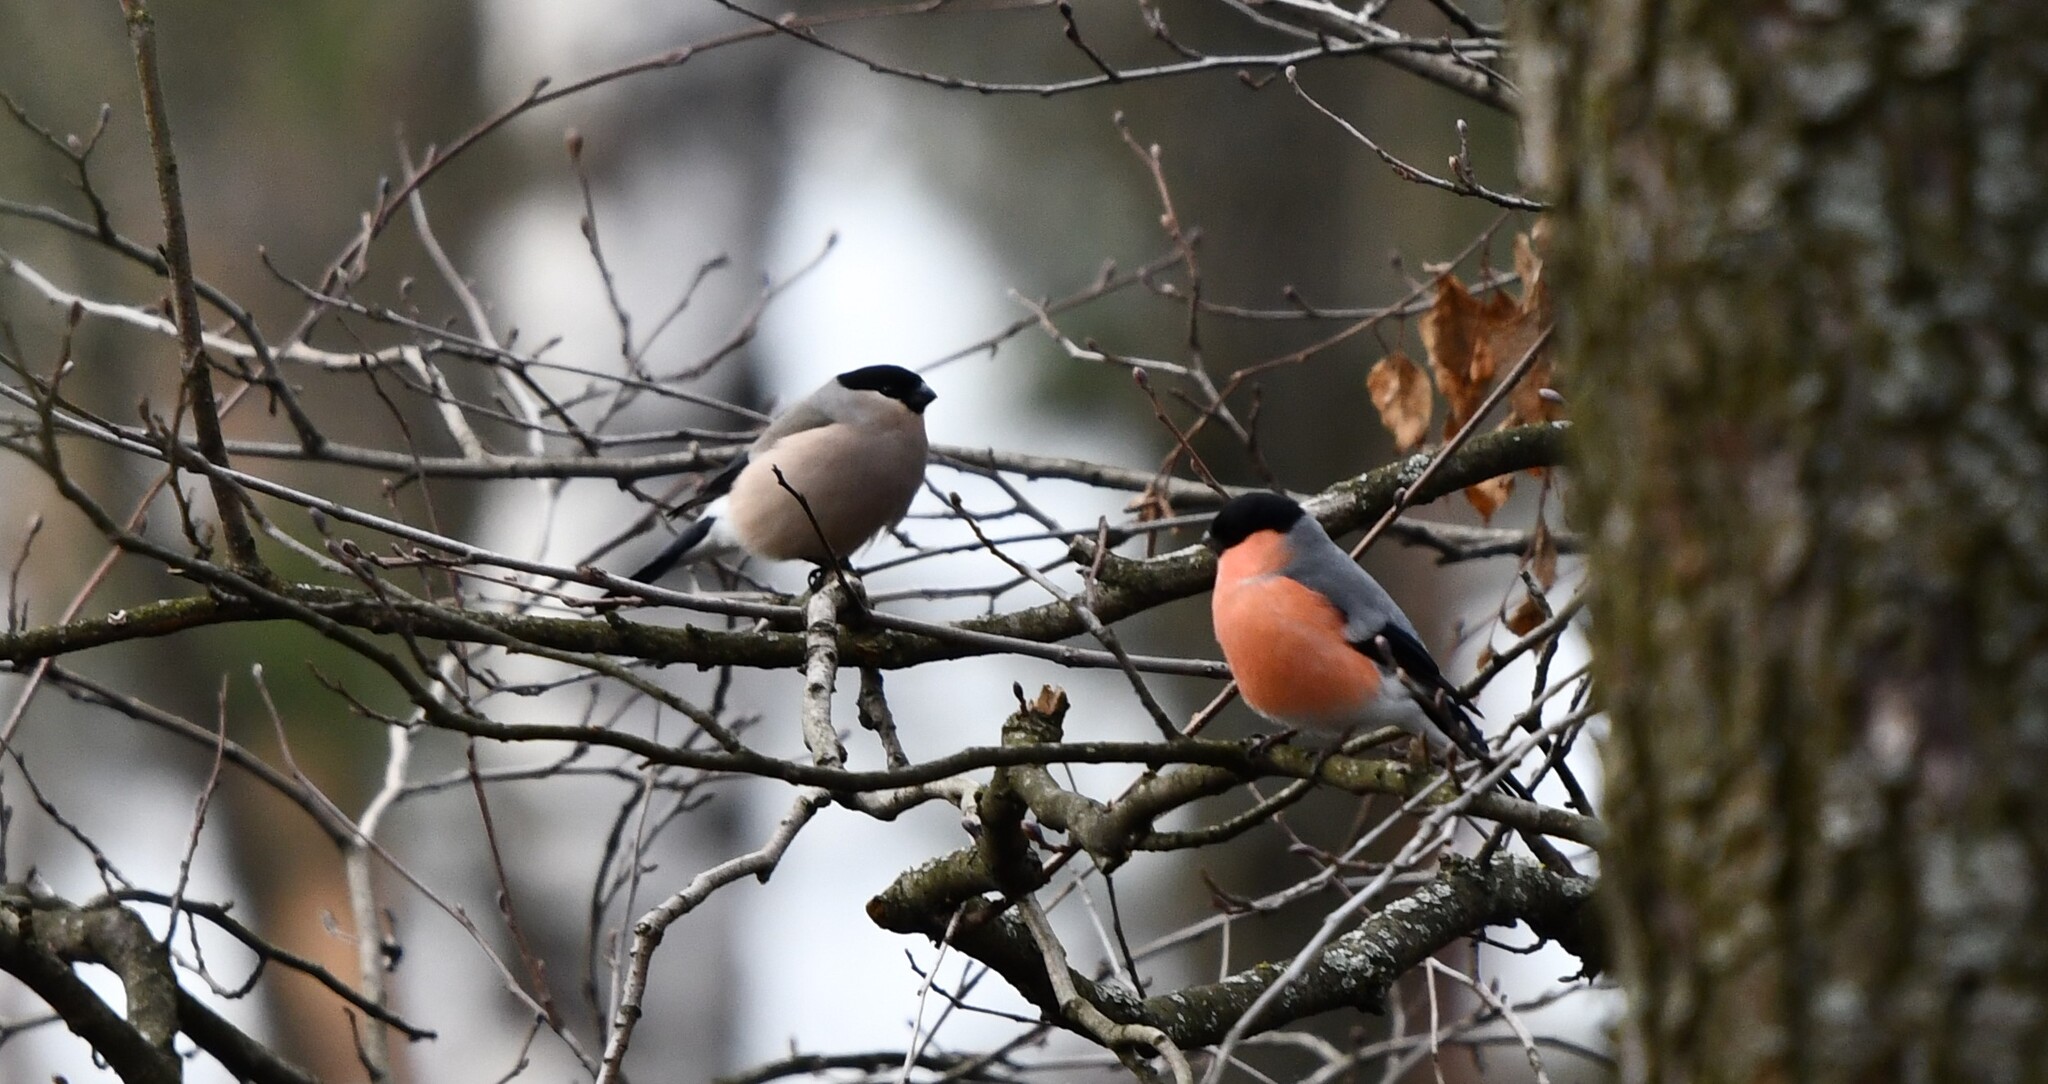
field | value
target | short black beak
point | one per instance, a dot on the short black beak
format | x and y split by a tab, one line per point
1209	540
922	397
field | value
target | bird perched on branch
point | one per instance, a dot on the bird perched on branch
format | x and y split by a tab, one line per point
853	450
1315	642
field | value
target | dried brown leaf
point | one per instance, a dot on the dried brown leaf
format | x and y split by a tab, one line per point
1489	495
1450	336
1504	332
1543	555
1526	617
1526	404
1401	394
1471	340
1148	506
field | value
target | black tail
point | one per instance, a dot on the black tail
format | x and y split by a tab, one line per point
1448	711
714	487
678	548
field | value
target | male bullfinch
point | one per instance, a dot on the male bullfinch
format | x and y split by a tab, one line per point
855	449
1315	642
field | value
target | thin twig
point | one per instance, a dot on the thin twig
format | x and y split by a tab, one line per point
647	932
1462	184
1086	615
198	379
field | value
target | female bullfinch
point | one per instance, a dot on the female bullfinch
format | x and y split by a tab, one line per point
1315	642
855	448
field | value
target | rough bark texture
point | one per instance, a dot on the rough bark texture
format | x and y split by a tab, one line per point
1802	250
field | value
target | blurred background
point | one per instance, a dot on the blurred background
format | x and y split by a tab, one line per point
901	222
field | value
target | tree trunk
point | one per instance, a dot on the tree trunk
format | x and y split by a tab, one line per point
1802	256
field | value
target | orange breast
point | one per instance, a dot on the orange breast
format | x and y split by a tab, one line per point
1285	643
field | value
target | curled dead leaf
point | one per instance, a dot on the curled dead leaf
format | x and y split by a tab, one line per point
1526	616
1470	340
1401	394
1526	403
1543	555
1488	496
1449	332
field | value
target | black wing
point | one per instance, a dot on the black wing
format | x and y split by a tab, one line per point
718	485
1412	657
1448	708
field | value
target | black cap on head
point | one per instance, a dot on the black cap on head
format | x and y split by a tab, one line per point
1244	516
894	381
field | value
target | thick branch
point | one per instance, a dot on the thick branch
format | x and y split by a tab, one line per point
39	939
42	937
1129	586
1354	971
240	1054
1110	831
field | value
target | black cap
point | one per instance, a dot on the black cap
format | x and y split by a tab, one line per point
1244	516
894	381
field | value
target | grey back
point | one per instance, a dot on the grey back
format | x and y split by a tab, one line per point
1323	566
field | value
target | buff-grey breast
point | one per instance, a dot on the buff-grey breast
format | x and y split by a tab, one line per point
854	449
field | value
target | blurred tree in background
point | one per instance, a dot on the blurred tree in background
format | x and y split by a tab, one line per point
365	778
1805	275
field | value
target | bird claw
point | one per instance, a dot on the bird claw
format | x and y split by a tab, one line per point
853	603
1264	742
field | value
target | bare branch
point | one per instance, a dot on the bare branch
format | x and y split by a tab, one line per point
198	384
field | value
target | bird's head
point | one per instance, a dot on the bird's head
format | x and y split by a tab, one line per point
1243	516
892	381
